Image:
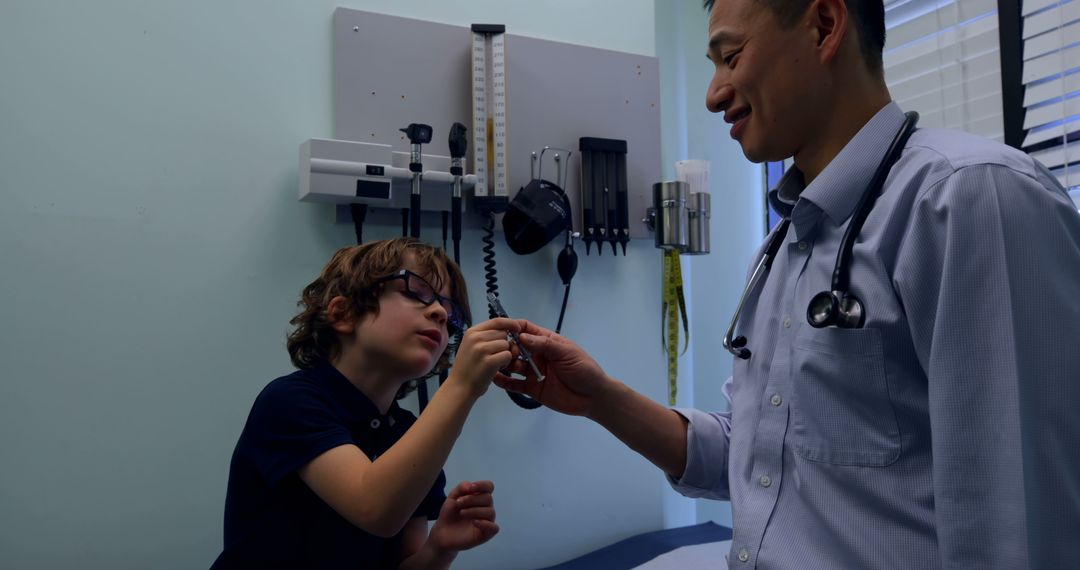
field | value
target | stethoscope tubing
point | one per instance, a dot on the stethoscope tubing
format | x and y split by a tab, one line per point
841	275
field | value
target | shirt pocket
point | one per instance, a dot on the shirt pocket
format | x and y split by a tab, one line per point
842	413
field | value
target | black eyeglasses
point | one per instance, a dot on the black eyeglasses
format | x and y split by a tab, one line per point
420	290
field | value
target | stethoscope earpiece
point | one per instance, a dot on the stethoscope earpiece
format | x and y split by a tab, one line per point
738	348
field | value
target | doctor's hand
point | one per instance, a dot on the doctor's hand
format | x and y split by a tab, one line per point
573	381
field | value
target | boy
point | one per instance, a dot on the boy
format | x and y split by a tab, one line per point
329	472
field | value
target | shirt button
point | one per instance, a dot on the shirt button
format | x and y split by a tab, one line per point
375	424
765	481
787	323
803	246
744	555
776	399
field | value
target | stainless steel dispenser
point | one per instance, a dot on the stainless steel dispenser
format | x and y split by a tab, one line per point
698	214
670	207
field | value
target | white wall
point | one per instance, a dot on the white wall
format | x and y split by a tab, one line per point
152	250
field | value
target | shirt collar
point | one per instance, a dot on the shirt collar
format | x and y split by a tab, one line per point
837	190
357	405
781	205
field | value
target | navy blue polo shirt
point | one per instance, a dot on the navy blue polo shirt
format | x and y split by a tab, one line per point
272	518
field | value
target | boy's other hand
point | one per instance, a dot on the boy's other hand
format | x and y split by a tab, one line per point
467	517
484	350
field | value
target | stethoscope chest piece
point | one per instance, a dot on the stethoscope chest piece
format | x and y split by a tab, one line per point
833	308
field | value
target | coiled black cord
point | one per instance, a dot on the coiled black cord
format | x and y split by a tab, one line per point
491	282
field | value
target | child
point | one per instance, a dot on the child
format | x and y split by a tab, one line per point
329	472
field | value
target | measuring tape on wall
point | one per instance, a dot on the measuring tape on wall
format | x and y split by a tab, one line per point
673	308
489	110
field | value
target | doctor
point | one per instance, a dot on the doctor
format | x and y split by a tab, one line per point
936	427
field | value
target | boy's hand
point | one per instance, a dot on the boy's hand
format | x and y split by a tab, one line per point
483	352
467	517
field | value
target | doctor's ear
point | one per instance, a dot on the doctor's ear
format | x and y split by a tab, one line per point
341	315
829	21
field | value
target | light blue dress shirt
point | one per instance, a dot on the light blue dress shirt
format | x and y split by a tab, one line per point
943	433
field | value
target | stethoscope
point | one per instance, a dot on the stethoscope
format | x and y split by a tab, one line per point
838	306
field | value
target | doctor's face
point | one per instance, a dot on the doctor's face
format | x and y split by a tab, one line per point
764	80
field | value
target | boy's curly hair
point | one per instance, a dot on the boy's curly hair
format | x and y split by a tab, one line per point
352	273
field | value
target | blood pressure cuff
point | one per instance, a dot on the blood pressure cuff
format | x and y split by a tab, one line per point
538	214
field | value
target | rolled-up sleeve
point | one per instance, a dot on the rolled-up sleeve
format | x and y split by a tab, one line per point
707	440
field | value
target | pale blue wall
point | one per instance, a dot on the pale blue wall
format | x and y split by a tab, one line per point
715	281
152	250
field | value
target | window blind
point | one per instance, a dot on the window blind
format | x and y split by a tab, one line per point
942	59
1051	77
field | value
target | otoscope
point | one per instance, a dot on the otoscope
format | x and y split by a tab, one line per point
417	134
458	145
497	308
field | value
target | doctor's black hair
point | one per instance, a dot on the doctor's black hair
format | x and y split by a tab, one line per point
869	16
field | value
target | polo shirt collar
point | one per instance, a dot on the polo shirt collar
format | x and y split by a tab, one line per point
357	406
